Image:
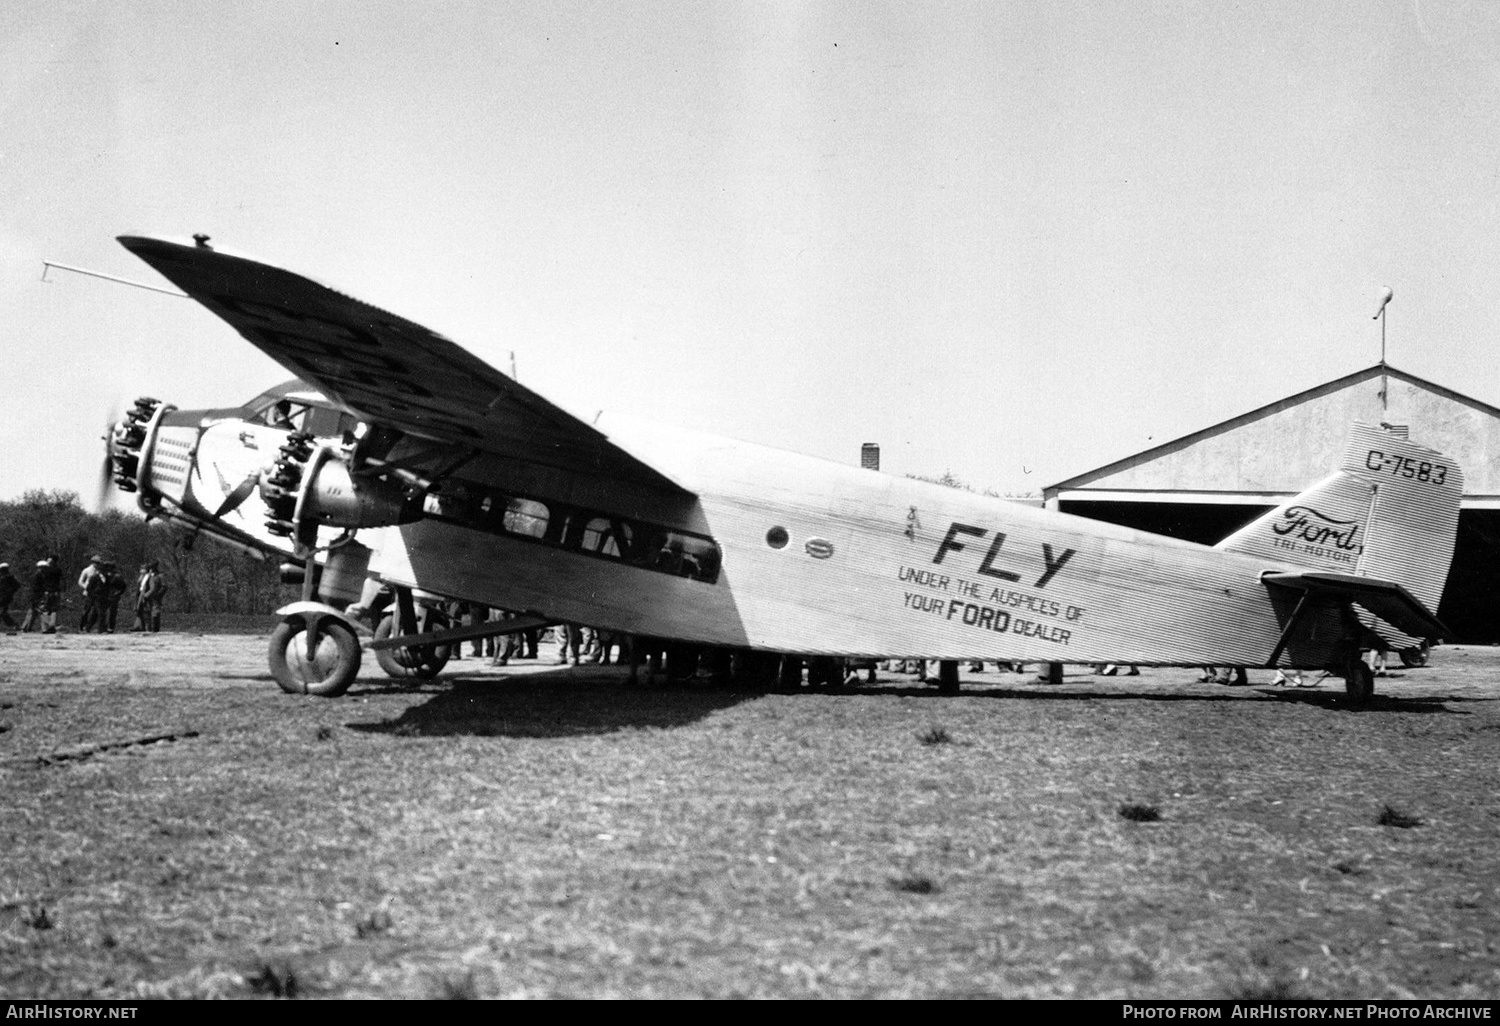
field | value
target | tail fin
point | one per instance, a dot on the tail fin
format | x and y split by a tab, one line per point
1390	512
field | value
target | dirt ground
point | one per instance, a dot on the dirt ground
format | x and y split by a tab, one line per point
175	826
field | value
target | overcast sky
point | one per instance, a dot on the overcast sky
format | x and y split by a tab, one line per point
1009	240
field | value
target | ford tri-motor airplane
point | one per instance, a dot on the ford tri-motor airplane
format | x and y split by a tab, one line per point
399	464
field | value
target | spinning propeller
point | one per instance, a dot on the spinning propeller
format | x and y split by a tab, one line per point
106	465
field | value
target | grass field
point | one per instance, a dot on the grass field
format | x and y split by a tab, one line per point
174	826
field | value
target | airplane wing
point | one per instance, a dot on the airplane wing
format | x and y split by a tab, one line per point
1386	599
385	368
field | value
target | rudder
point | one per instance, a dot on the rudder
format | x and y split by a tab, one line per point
1389	512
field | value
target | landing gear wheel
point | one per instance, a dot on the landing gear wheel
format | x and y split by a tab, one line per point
331	669
681	662
1359	681
421	661
1414	656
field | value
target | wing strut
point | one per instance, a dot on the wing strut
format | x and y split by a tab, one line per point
1291	625
496	628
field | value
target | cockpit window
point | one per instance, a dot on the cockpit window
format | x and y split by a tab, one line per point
291	414
286	414
328	422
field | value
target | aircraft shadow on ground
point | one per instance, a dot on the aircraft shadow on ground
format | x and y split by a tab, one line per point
1327	699
1426	705
1066	692
600	701
551	705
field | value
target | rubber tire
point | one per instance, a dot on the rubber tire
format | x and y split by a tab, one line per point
681	662
336	662
1359	682
423	662
1414	656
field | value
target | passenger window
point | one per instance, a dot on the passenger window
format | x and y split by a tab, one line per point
668	556
685	556
704	559
525	517
454	505
606	537
583	531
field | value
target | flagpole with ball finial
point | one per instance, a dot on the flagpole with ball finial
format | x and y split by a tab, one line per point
1385	298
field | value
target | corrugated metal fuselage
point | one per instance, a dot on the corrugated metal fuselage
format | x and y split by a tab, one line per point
817	558
820	558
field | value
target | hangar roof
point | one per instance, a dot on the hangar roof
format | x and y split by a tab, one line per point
1272	453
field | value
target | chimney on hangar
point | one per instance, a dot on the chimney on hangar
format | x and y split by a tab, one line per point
869	456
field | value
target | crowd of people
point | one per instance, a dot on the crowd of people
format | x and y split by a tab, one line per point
101	587
575	644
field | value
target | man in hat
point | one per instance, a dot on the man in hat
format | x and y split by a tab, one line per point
90	582
8	588
34	601
46	597
150	590
112	586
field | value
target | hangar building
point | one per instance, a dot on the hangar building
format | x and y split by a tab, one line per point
1207	484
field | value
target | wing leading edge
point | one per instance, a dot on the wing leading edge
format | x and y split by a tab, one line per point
393	371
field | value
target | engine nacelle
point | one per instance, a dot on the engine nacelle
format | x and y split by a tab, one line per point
316	485
334	497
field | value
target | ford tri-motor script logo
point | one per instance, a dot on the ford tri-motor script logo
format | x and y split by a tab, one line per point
1303	523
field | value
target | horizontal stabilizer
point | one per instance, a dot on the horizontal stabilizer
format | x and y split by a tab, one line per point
1386	599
